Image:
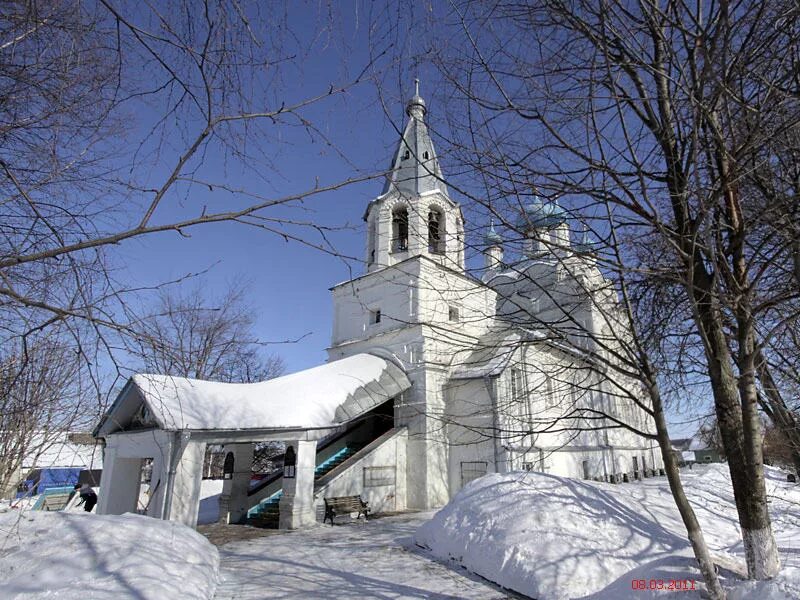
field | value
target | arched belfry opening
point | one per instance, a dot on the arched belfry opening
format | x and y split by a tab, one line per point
400	229
436	231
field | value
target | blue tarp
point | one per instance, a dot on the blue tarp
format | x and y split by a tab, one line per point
50	478
58	477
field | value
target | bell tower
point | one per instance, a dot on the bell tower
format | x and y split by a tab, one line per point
414	214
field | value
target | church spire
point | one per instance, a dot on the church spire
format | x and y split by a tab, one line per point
415	168
414	215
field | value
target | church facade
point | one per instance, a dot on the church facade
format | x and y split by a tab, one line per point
499	369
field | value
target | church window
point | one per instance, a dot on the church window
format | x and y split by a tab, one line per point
586	472
472	470
400	229
375	316
635	467
227	468
452	313
425	155
459	245
406	155
435	231
517	385
549	393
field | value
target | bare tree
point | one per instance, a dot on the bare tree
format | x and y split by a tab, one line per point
191	335
654	111
122	120
42	396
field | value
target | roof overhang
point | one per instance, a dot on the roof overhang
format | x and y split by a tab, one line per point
322	397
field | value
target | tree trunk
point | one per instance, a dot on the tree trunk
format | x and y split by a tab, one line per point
740	430
693	530
761	552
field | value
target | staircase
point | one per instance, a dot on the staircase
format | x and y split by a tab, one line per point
54	498
267	513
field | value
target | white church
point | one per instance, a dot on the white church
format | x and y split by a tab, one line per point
435	377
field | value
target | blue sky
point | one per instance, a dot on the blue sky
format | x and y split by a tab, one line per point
288	282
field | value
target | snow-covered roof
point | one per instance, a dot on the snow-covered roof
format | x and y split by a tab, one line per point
493	351
490	357
323	396
697	444
54	449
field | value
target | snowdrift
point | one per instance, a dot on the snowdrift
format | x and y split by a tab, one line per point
81	555
553	538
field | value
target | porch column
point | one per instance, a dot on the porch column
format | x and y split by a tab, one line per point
234	490
297	502
186	484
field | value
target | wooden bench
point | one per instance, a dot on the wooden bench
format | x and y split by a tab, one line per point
344	505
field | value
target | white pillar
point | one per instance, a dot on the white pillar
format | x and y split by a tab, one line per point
119	486
185	490
297	502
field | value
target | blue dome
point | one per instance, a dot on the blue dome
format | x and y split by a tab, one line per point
554	215
542	216
492	238
531	214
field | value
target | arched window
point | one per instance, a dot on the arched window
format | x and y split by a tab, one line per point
289	463
400	229
227	469
435	232
425	155
406	155
371	235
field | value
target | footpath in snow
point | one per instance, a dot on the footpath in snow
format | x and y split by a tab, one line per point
554	538
376	559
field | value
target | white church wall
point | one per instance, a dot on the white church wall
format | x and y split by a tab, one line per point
435	441
470	426
441	290
392	291
370	476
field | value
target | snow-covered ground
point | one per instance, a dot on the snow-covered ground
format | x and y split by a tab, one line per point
81	555
547	537
556	538
376	559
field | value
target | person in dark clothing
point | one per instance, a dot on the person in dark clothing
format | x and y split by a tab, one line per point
88	497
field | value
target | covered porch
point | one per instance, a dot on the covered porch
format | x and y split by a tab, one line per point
163	425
